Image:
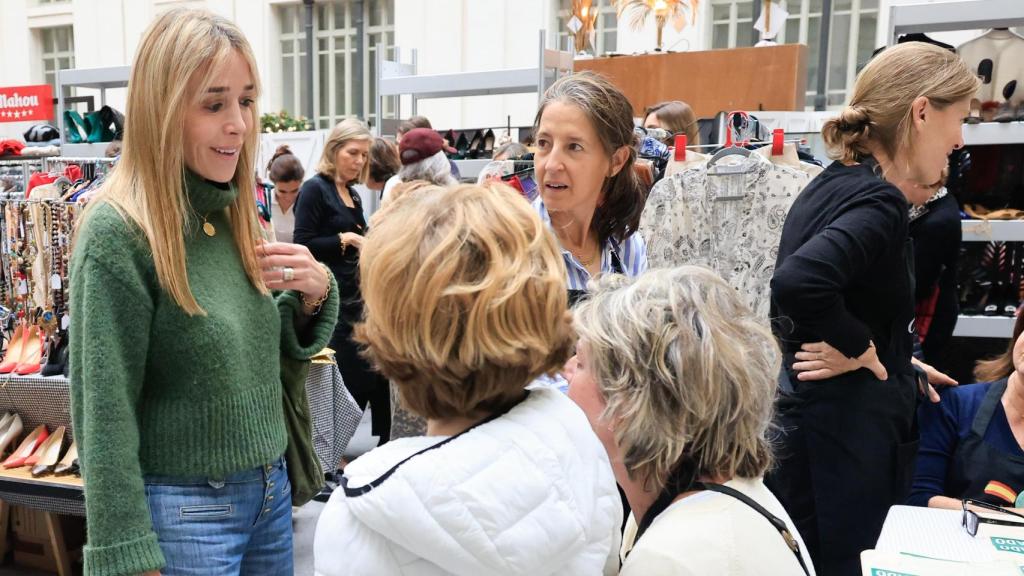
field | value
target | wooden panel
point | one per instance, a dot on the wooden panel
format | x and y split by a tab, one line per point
768	78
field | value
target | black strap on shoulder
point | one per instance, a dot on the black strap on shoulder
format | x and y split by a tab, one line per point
775	521
360	490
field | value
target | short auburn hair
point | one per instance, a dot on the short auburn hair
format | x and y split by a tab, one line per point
465	299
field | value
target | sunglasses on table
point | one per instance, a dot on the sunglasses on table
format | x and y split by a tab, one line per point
971	520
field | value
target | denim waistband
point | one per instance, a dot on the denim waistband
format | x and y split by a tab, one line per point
251	475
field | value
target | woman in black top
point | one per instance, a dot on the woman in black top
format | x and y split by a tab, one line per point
329	221
843	303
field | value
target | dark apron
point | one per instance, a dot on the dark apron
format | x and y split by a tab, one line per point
577	296
976	463
846	452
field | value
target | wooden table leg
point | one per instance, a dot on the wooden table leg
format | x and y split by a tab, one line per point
60	550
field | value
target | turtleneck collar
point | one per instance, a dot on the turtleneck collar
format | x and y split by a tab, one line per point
205	196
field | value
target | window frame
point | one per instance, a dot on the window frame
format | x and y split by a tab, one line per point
334	40
48	37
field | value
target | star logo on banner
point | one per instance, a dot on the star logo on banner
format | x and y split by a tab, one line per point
17	114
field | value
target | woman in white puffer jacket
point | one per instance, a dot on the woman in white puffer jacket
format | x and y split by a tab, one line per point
465	304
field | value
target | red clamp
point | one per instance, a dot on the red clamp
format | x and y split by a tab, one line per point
680	143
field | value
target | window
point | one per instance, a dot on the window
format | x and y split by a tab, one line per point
852	41
605	27
58	52
336	46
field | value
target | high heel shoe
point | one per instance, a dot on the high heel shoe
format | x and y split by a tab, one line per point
10	432
488	149
47	455
57	357
72	122
27	448
32	354
14	348
68	464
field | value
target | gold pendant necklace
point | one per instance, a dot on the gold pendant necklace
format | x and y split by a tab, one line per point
208	228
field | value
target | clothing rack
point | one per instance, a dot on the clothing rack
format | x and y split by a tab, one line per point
78	160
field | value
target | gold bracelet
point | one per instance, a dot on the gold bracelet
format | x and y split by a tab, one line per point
318	303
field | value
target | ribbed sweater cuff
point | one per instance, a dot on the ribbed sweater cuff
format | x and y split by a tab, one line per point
132	557
317	334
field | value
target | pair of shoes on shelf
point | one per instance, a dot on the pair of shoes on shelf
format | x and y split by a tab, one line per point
28	447
41	451
103	125
24	351
49	460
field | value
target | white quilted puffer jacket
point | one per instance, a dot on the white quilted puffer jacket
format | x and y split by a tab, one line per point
527	494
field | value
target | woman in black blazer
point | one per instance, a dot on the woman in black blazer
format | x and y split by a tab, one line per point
329	221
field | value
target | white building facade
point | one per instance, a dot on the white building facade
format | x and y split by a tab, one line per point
38	37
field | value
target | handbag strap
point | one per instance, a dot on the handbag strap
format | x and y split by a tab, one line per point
775	521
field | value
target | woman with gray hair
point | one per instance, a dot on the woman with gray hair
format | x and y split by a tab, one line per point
677	378
422	153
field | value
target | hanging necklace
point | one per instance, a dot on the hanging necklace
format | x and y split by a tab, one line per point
208	228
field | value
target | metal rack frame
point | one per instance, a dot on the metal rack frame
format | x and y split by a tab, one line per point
395	78
970	15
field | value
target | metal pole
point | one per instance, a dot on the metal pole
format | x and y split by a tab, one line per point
309	63
357	61
821	98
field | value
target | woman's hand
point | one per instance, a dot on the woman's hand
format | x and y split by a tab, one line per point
352	239
307	275
819	361
935	378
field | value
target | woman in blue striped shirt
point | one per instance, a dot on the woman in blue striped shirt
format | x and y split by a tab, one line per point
589	194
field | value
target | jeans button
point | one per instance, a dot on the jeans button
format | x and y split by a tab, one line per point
270	497
266	510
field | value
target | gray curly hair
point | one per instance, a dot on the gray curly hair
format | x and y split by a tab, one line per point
687	371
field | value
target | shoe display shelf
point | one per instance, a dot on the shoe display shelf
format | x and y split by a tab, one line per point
395	78
40	400
101	79
972	15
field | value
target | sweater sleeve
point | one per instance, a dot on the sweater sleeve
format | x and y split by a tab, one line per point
303	344
808	285
310	218
109	342
939	439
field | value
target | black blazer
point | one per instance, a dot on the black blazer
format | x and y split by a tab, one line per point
320	216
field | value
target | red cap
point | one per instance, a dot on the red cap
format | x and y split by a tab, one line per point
419	144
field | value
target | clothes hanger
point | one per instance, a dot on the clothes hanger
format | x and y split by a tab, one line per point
731	148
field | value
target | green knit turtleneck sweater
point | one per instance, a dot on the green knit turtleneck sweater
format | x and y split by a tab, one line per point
155	391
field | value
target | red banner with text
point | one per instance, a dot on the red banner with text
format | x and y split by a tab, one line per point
26	103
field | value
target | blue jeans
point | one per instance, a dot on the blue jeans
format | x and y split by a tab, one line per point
238	525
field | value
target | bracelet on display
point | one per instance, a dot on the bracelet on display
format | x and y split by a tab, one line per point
317	304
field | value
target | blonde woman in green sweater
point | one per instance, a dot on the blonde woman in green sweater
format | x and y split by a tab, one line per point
180	320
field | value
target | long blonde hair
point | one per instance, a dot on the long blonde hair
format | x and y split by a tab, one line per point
343	132
147	186
880	108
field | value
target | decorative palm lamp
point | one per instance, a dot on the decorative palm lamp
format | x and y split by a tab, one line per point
663	10
582	25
